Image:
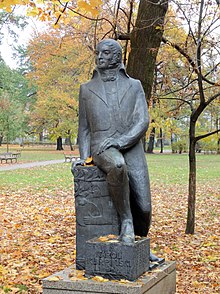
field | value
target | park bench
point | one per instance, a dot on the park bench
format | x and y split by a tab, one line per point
69	156
9	156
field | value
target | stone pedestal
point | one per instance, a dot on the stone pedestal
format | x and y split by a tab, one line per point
162	280
115	260
95	213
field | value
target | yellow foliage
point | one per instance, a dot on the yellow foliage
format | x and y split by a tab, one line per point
45	10
58	71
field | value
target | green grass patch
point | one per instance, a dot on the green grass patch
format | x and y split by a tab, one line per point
38	178
174	168
163	169
37	155
43	155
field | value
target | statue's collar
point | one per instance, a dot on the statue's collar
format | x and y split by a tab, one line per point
120	70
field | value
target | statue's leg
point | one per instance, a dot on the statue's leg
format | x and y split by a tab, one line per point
140	193
112	163
140	197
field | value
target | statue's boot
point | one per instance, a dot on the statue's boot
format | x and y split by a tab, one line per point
154	258
119	190
127	232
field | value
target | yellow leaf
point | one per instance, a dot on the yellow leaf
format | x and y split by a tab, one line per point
56	26
99	279
123	281
46	209
32	12
103	239
66	20
54	278
88	160
94	12
84	5
8	9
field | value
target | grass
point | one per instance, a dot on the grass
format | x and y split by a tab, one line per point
174	168
30	155
163	169
38	178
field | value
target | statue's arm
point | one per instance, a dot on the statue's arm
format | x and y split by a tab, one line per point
140	122
84	130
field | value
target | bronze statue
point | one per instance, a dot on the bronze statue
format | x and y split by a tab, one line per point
113	117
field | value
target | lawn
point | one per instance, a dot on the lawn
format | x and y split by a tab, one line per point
30	155
37	222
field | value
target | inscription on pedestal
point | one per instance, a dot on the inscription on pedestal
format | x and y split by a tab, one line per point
116	260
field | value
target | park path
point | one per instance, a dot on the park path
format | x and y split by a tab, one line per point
29	164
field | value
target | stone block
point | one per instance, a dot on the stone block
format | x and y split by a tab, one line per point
116	260
162	280
95	213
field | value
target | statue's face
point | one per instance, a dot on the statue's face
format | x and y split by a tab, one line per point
105	57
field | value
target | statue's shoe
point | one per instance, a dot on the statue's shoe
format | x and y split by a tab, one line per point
127	232
154	258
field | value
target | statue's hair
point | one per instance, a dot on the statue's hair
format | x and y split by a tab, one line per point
114	45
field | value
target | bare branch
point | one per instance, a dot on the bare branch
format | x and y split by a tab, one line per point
190	60
175	98
213	98
206	135
86	17
187	19
64	9
198	54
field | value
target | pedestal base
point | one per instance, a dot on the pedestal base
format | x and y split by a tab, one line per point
116	260
162	280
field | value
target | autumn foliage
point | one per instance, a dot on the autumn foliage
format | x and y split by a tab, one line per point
58	68
63	11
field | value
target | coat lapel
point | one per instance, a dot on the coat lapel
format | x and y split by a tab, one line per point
123	87
96	87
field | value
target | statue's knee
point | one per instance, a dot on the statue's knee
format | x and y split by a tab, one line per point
118	172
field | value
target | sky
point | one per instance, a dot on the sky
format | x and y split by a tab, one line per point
6	51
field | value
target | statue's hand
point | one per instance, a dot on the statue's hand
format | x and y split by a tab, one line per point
77	162
109	142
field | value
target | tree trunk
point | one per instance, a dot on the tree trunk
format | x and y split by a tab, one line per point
218	146
150	148
218	141
69	139
41	137
1	140
161	140
172	140
144	143
190	226
59	143
145	42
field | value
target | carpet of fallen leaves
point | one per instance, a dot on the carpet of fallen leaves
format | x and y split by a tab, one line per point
37	231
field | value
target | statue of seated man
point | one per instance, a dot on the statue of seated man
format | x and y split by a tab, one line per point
113	118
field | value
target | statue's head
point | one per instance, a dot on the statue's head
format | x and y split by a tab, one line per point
108	54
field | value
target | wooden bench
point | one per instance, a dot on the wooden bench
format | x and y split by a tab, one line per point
69	156
9	156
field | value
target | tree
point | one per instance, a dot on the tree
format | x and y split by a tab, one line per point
13	103
58	68
197	85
